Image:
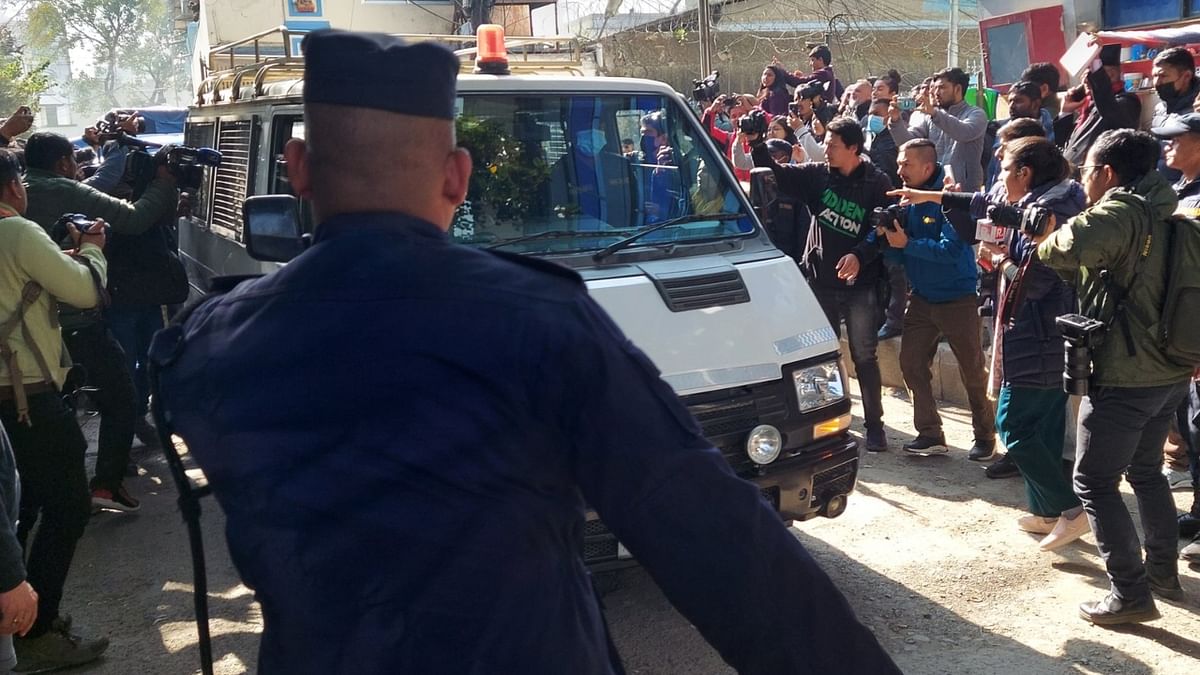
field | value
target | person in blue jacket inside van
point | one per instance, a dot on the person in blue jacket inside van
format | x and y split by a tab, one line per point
404	432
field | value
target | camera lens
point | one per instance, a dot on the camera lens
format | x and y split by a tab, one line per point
1077	369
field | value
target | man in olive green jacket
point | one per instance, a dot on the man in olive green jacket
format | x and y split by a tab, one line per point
53	190
1134	388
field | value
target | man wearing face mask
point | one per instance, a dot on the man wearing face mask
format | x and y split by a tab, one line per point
591	181
881	147
1176	84
956	128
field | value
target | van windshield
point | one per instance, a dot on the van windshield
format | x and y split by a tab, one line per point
565	174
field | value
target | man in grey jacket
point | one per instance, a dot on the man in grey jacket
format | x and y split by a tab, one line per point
956	128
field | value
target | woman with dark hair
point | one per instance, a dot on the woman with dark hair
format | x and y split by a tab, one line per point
778	128
1031	410
773	95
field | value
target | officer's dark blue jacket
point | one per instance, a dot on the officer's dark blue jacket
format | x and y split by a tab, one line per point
403	433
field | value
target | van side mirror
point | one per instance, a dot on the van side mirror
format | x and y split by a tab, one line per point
271	228
763	191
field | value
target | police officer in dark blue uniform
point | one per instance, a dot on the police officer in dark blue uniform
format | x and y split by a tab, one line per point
403	432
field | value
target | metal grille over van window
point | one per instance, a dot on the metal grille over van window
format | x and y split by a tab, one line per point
232	178
708	290
201	135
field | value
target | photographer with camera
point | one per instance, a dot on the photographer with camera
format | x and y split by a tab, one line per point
940	267
841	265
807	116
53	191
1031	409
735	106
108	176
46	438
1114	252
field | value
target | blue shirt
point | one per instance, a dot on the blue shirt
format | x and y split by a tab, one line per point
403	433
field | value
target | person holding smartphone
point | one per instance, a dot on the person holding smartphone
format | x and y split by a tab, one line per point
17	123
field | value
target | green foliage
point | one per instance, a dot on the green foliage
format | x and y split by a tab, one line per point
45	28
19	85
503	174
154	55
111	28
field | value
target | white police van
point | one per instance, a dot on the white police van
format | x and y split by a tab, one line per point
615	179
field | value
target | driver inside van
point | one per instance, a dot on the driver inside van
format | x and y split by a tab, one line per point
591	181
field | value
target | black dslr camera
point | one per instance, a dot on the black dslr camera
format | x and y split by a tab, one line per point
753	122
61	233
707	89
1032	220
1082	336
811	90
887	217
185	163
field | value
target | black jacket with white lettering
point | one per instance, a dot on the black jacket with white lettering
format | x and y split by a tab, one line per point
841	209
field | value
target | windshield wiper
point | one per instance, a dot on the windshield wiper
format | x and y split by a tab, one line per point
690	218
542	235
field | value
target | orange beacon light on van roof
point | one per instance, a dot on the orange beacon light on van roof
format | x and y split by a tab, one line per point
491	57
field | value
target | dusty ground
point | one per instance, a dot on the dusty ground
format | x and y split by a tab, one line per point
927	553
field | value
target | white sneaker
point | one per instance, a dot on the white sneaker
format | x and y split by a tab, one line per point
1036	524
1066	531
1178	480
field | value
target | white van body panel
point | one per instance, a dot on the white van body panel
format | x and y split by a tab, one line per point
721	347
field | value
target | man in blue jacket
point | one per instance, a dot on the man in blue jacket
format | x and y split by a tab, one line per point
403	432
941	269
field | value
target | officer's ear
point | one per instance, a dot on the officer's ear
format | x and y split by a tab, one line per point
456	176
295	153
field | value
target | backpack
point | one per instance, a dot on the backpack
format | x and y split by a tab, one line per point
1179	331
1180	328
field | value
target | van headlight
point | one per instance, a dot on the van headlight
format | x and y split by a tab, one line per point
818	386
764	443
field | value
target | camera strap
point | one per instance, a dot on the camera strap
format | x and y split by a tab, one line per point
29	295
1119	294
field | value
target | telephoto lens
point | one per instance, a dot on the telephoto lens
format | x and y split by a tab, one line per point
1077	369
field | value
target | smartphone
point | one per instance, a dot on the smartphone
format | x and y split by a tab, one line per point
793	109
907	103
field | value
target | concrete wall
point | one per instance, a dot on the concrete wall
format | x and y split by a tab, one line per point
741	56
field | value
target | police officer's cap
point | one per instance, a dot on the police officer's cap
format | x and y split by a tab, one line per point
374	70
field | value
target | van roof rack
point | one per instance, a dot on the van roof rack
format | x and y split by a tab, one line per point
273	56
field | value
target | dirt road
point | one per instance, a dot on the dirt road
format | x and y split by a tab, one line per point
927	553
